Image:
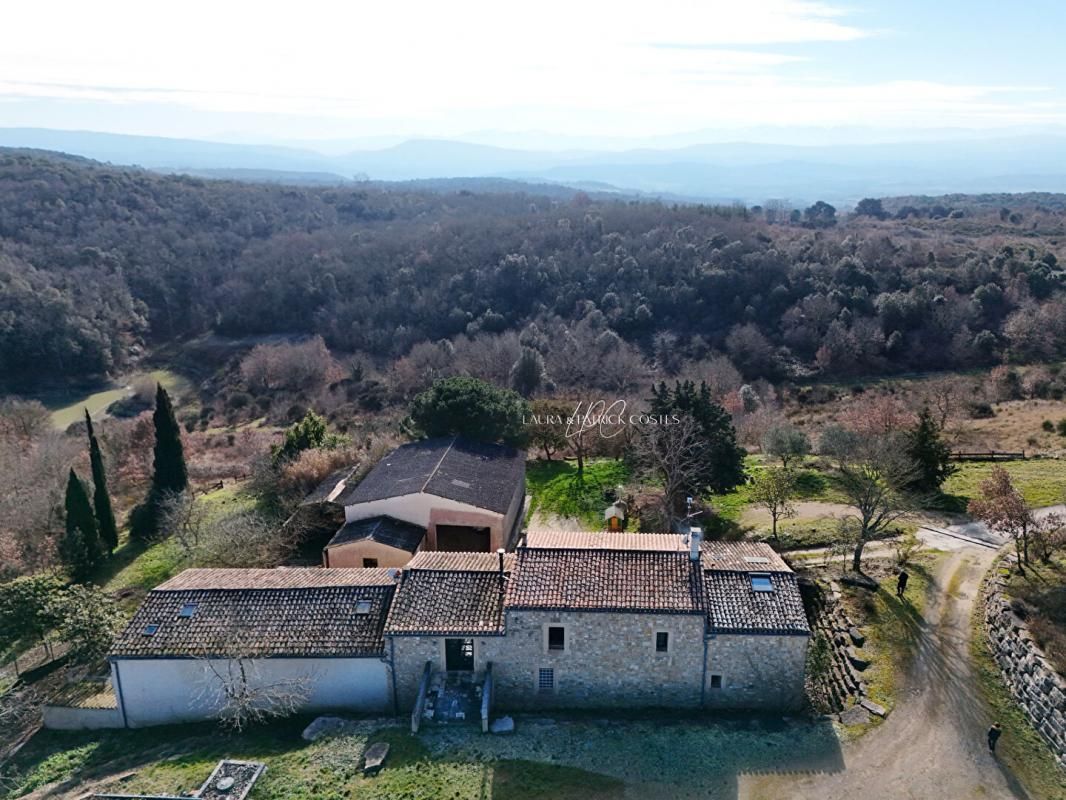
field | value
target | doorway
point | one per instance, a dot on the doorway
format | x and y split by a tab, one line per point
459	655
463	539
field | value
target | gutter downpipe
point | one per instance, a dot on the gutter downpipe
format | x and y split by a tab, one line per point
703	678
392	677
121	695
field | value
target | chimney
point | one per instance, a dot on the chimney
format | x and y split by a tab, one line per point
695	536
500	554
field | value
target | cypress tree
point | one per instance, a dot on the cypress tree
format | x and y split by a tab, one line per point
105	514
80	547
170	474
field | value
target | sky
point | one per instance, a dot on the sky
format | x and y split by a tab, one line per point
556	70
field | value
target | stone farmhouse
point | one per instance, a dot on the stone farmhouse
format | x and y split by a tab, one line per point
566	620
447	494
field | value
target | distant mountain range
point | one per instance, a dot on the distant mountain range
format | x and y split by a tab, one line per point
722	172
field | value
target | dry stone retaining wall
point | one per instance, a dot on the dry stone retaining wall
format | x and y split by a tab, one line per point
1034	684
842	686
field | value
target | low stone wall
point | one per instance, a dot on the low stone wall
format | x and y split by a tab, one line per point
842	686
1037	688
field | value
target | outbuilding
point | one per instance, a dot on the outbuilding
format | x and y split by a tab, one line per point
208	639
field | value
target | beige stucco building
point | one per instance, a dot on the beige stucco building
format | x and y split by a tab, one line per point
438	494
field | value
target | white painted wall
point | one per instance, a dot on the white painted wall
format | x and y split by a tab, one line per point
414	508
157	691
64	718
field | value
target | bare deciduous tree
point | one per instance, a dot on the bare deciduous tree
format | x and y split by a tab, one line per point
674	454
240	692
773	489
871	480
184	517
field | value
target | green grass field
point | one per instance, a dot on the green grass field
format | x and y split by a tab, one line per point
1041	481
176	760
143	565
811	484
555	487
893	627
66	412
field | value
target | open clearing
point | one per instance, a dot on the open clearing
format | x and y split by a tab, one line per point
66	412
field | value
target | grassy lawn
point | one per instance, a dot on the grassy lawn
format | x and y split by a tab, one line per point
1020	748
892	626
65	411
174	760
811	484
1041	481
555	487
143	565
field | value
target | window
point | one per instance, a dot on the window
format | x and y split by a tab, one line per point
716	681
662	642
760	582
370	563
362	606
189	610
556	638
546	679
150	630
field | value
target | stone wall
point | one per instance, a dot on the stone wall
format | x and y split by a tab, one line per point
841	685
1037	688
610	659
756	671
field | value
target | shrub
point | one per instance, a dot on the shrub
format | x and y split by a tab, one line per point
1048	425
1061	427
981	410
239	400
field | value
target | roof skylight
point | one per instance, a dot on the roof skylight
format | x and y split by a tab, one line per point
760	582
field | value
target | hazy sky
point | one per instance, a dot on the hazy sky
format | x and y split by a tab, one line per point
346	70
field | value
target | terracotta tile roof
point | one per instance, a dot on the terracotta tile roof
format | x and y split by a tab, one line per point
741	557
262	613
278	578
606	580
605	540
478	474
382	529
450	593
733	606
469	562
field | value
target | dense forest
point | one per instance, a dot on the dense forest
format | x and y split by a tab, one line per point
99	265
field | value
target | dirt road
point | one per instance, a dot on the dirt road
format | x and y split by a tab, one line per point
933	744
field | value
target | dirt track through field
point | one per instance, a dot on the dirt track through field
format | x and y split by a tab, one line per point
933	744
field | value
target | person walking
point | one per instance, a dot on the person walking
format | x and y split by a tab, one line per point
901	583
993	736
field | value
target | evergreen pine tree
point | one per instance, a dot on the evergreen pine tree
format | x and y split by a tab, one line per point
170	474
724	458
105	514
80	547
930	454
